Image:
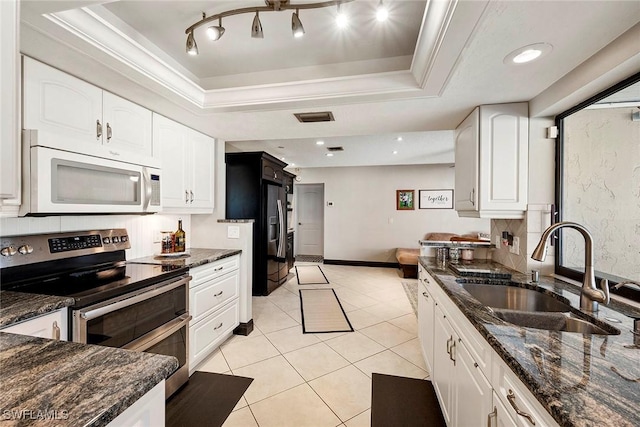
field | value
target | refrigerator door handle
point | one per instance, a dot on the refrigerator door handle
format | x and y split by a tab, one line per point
281	231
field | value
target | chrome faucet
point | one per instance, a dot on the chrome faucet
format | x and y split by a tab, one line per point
590	296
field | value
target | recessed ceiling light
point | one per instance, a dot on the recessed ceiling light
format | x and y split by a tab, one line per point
282	158
395	151
528	53
320	142
399	139
292	164
329	154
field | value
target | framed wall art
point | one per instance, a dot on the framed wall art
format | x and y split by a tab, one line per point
405	200
435	199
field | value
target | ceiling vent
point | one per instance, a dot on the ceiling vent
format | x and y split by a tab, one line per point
322	116
332	149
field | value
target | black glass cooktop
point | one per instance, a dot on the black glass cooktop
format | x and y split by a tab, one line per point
97	283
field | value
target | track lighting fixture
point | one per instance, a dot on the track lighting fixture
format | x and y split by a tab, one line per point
296	26
256	27
192	47
215	32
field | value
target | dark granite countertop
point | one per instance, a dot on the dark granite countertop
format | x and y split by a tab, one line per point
17	307
582	380
86	385
195	257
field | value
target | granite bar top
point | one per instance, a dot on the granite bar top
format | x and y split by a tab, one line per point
195	257
78	384
582	380
456	244
236	221
17	306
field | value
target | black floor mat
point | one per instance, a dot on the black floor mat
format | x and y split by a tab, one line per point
206	400
404	402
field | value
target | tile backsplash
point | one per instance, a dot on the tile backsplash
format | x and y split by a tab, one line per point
141	228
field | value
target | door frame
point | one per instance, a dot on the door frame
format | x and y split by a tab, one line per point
297	205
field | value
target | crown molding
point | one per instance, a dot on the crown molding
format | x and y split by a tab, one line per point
426	77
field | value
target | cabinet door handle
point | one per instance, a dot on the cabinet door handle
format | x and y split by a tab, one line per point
186	196
98	129
511	397
109	132
449	346
452	353
191	200
275	175
55	331
492	414
218	327
426	295
472	196
218	294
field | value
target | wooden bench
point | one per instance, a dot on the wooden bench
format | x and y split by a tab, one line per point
408	260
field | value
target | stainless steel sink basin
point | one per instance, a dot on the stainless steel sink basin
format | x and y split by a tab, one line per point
555	322
515	298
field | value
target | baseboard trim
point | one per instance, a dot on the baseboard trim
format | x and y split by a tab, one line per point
244	328
362	263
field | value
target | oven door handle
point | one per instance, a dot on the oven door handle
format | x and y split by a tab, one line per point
152	338
119	303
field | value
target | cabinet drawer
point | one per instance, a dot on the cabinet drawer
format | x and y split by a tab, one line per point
272	171
215	269
206	335
43	326
505	384
208	297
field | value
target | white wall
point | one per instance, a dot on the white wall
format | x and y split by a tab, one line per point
363	223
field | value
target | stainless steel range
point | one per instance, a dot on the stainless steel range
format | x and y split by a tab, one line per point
138	307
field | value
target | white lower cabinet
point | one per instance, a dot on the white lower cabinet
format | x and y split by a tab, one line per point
214	307
475	387
148	411
52	325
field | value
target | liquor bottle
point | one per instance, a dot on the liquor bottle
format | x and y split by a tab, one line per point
180	238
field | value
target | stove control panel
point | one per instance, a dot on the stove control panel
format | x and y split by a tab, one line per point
33	248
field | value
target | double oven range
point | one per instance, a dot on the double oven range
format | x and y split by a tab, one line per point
138	307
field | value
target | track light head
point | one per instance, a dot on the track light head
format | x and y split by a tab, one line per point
256	27
215	32
192	47
382	13
296	26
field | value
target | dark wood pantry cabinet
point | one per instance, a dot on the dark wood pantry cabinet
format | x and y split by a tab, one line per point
255	190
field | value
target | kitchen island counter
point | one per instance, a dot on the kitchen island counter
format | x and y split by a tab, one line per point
73	384
580	379
17	307
195	258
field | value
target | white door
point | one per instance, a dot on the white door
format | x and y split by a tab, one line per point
310	202
127	125
202	170
171	142
466	179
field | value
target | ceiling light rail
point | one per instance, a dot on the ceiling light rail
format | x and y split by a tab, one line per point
215	32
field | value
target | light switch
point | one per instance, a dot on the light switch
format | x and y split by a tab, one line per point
233	232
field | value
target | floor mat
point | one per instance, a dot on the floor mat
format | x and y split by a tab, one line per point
206	400
310	275
309	258
411	289
322	312
406	402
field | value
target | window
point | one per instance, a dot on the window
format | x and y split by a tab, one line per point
598	185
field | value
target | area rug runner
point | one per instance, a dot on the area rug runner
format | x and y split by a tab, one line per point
404	402
322	312
310	275
411	289
206	400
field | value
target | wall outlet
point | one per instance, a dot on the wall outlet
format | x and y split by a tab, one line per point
498	241
233	232
515	248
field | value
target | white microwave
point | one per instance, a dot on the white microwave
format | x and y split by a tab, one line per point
62	182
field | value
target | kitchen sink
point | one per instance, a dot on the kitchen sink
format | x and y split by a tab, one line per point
515	298
555	322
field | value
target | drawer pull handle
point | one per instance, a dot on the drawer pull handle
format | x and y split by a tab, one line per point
218	268
426	295
511	397
56	331
218	327
218	294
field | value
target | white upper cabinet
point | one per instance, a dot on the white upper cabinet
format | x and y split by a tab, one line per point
71	114
492	147
9	106
187	166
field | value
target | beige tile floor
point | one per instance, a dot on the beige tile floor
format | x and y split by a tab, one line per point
320	380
